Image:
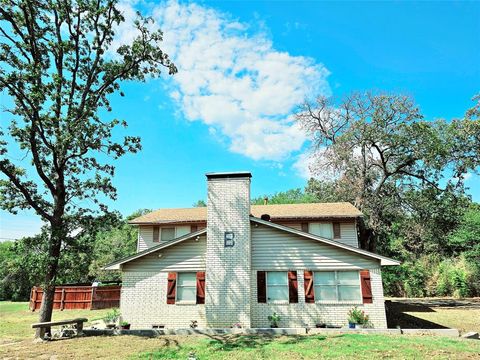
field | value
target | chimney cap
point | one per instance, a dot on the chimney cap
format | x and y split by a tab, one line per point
227	175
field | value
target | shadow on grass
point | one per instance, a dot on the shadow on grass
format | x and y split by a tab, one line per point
233	342
397	316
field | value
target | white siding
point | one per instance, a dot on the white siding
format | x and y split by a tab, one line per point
185	256
145	235
297	226
274	249
348	232
145	238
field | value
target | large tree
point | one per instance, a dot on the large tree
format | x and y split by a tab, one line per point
377	148
58	69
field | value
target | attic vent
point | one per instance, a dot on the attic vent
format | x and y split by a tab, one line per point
265	217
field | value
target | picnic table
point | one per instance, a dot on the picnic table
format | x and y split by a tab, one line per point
45	326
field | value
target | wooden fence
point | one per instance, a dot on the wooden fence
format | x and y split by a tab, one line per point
79	297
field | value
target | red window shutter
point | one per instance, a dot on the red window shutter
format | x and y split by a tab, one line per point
156	234
193	228
292	287
261	287
201	287
304	227
308	284
336	230
171	288
366	287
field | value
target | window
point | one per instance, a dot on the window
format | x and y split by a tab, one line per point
321	229
337	286
277	286
187	287
168	234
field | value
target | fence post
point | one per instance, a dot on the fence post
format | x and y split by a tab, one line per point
92	295
34	298
62	300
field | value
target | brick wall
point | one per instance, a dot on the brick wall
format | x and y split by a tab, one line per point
144	303
302	314
228	268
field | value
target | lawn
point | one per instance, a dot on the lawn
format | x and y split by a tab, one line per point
16	319
16	343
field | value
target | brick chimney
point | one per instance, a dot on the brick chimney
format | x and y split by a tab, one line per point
228	249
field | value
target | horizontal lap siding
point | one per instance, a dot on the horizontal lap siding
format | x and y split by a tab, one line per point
348	234
273	249
145	238
185	256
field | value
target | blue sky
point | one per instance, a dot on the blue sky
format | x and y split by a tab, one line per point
245	65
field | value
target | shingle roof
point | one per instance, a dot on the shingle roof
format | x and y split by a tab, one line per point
277	212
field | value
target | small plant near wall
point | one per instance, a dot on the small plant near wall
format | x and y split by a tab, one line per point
357	318
111	318
125	325
193	324
237	326
274	320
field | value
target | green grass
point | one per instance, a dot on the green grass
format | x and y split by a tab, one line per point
317	347
16	342
16	319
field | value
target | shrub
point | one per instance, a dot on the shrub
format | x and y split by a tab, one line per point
357	316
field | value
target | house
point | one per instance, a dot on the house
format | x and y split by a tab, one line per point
233	262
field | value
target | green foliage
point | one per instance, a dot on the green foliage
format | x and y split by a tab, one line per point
357	316
274	319
293	196
112	316
200	203
103	240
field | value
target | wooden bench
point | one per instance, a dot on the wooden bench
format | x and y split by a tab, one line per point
45	326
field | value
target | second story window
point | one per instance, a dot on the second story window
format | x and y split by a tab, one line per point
321	229
167	234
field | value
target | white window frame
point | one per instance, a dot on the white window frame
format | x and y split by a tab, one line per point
276	301
179	301
337	301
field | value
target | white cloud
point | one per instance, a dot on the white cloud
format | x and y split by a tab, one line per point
314	164
233	79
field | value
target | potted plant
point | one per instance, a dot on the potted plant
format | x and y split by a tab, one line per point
357	318
111	318
274	320
125	325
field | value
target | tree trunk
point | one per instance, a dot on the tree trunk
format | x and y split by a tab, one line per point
57	234
366	237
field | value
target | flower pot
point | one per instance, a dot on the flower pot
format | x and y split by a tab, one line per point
110	326
274	326
351	325
125	327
